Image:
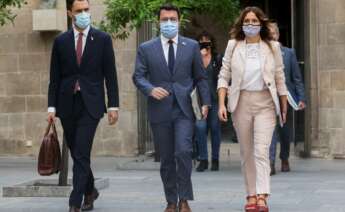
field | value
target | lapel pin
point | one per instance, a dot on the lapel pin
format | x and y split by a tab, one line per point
91	37
183	43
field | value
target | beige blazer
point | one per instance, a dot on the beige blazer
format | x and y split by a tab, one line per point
272	68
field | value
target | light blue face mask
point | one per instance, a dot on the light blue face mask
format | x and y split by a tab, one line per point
83	20
251	30
169	29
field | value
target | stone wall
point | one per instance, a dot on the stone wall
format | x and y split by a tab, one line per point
328	80
24	74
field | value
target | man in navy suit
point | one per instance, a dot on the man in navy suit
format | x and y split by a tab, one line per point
167	69
82	59
294	83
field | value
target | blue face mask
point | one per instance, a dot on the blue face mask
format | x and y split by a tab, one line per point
251	30
82	20
169	29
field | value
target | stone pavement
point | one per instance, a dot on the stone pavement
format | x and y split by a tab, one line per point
314	185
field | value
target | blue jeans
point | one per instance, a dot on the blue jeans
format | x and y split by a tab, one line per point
202	127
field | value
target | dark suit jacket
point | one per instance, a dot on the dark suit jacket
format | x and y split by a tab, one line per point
97	66
151	70
293	77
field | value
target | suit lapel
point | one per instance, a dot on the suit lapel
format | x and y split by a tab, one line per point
89	46
263	54
242	52
160	54
71	47
179	52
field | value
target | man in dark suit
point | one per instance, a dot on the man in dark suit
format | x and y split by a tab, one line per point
294	83
167	69
82	59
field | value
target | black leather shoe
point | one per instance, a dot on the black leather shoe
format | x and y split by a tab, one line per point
171	207
203	165
183	206
215	165
89	200
74	209
285	166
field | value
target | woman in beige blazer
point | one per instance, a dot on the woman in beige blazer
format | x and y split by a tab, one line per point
253	67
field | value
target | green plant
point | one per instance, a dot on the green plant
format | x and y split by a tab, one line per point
123	16
6	13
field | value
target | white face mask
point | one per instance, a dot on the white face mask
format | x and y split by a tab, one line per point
169	29
251	30
82	20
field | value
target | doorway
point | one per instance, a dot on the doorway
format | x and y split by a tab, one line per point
290	16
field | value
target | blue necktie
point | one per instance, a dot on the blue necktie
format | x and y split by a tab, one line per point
171	57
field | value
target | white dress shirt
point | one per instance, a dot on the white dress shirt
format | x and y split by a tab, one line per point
252	77
76	36
165	45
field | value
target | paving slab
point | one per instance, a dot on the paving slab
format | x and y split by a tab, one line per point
313	185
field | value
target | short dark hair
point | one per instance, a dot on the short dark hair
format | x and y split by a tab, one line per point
71	2
169	7
207	35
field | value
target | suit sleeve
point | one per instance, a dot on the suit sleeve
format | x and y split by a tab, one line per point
297	76
109	70
141	73
224	76
200	78
54	81
279	75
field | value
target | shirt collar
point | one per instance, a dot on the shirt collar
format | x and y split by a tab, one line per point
85	32
166	40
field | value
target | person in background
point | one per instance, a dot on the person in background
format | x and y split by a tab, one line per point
212	63
294	83
256	96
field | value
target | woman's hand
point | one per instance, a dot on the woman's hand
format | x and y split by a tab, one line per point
222	113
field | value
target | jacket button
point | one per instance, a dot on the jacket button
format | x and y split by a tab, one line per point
268	84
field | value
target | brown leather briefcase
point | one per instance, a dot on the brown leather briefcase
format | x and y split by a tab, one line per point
49	158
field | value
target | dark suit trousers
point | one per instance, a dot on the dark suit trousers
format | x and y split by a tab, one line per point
284	135
80	131
175	145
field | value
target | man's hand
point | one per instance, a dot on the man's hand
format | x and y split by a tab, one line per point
283	107
222	113
51	117
113	116
204	111
301	105
284	113
159	93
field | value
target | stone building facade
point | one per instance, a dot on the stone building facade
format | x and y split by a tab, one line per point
326	52
24	75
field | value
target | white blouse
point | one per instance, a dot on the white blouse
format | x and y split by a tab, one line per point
252	77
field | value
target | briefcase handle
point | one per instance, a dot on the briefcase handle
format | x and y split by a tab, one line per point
52	124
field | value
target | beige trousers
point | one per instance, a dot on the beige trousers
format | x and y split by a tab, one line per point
254	120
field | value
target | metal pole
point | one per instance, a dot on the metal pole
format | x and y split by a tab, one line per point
63	176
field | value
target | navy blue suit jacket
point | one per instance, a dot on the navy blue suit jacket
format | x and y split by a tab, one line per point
151	70
293	77
97	66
